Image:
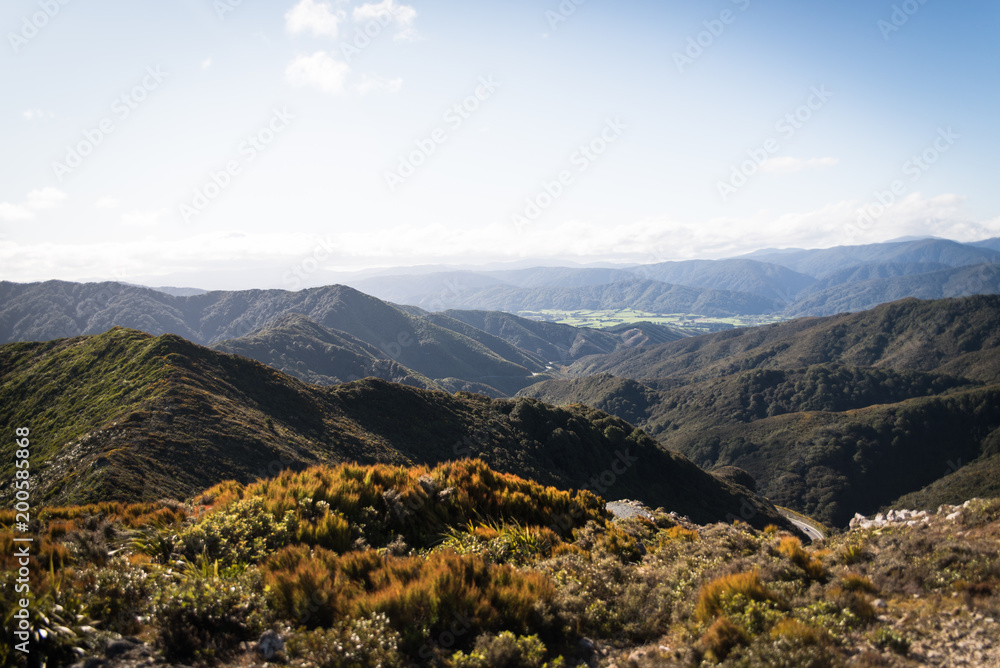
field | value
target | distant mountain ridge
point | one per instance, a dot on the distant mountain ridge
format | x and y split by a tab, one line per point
821	262
785	283
861	295
639	294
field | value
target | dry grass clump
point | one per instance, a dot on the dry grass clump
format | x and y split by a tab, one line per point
859	583
721	638
421	596
791	547
715	596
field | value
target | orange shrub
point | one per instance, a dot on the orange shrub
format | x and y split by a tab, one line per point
713	595
791	547
319	588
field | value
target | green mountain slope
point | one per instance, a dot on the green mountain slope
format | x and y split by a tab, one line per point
821	262
827	441
827	414
952	336
867	272
763	279
978	478
642	295
643	333
296	345
42	311
127	416
861	295
554	342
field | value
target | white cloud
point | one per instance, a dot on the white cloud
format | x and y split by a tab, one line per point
14	212
36	114
319	70
142	218
315	17
374	84
386	12
45	198
257	260
205	64
36	200
663	238
107	202
788	165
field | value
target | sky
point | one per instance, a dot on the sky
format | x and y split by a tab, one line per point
246	144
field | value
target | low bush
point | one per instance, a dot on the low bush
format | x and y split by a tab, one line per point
721	638
504	650
791	547
200	615
715	596
369	642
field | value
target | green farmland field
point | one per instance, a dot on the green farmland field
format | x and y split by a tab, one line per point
602	319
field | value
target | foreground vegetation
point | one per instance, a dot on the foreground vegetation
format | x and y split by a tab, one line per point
462	566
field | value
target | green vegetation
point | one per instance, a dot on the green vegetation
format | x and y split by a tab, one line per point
296	345
370	589
685	322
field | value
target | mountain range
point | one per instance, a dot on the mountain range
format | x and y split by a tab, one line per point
831	416
784	283
126	416
336	334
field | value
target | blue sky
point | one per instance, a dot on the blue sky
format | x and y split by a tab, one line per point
241	139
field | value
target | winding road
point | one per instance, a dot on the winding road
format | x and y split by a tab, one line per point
809	530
